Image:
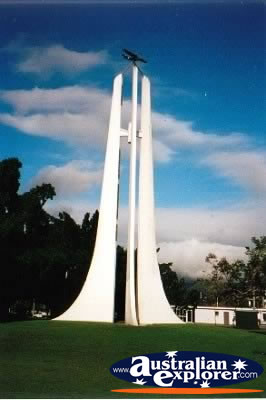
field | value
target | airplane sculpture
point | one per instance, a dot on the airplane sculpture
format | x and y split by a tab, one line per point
130	56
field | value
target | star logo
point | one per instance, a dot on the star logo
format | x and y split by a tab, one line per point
139	382
239	365
171	354
205	384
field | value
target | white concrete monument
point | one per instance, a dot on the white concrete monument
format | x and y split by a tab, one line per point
146	302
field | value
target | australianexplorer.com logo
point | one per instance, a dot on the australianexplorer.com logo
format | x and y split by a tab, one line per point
186	369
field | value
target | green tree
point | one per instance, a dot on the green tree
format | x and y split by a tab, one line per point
238	282
255	270
72	247
120	285
173	286
43	258
9	179
11	232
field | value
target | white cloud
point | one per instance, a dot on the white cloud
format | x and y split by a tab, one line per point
71	128
228	227
72	178
186	236
44	61
247	169
79	116
231	226
162	152
188	256
71	99
182	133
77	209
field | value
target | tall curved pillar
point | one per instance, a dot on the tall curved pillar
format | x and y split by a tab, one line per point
96	299
130	306
153	306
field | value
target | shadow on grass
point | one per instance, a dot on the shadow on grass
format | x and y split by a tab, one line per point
22	319
259	332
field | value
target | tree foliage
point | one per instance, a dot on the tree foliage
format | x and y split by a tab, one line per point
9	178
239	283
44	258
173	286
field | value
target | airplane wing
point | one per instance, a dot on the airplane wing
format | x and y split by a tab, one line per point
130	53
142	60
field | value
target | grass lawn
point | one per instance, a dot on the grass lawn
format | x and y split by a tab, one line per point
54	359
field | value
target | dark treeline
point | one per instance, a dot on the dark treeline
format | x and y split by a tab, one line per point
44	259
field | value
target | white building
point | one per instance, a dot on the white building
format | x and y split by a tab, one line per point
224	315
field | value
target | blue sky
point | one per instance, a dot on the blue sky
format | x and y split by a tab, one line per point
207	68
